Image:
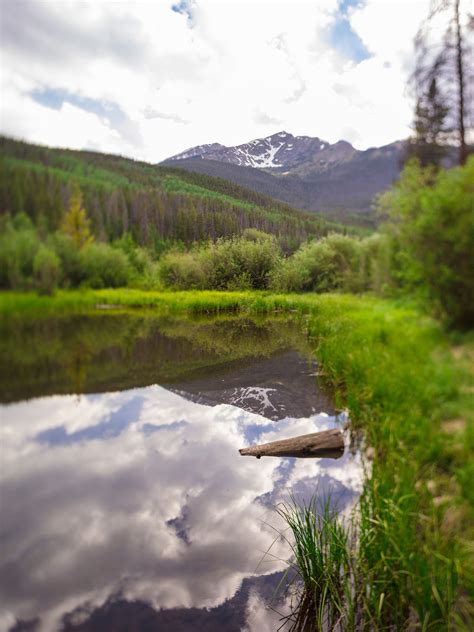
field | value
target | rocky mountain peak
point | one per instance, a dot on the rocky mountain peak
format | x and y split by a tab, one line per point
281	150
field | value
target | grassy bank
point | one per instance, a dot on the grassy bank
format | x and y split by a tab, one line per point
20	303
408	385
409	388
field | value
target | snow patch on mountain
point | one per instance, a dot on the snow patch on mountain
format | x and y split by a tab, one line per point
281	150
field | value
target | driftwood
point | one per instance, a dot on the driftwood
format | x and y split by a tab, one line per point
328	443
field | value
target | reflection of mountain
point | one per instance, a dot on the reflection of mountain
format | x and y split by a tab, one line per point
129	503
284	385
99	352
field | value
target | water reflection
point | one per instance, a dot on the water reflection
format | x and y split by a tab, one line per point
133	509
284	384
143	494
100	352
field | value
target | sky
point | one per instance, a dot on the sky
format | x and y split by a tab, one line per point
150	79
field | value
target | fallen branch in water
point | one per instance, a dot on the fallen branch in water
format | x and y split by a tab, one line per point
328	443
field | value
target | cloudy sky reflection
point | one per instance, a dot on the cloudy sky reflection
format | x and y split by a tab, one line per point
143	493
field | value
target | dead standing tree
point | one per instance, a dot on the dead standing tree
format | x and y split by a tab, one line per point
443	52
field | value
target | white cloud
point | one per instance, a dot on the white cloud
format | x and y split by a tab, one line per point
229	73
388	27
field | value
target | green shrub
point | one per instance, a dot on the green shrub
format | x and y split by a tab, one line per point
432	217
377	266
182	270
21	221
47	270
18	246
140	260
68	254
290	275
229	264
346	257
138	257
253	234
332	263
103	266
240	263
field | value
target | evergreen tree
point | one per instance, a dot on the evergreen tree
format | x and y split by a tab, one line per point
428	142
76	224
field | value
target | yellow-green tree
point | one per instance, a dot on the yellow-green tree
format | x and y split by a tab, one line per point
75	223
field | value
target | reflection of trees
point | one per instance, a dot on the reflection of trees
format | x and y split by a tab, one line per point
78	362
63	354
240	337
97	352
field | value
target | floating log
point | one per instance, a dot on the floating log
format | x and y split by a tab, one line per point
328	444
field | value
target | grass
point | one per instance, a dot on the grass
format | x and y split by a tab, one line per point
324	561
396	372
195	301
408	386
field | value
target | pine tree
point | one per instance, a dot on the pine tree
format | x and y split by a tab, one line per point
75	223
428	142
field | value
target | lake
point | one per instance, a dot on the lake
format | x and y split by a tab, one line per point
125	504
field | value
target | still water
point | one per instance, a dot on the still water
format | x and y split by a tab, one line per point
125	504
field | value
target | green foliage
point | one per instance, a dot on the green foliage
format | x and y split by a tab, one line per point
252	234
332	263
68	254
75	223
409	562
254	261
182	270
432	219
47	270
138	258
19	243
326	566
61	262
377	268
103	266
428	144
239	263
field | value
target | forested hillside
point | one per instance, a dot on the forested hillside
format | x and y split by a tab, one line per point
156	205
308	172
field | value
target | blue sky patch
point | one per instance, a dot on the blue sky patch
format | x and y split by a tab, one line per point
185	8
345	41
109	111
345	5
55	98
341	36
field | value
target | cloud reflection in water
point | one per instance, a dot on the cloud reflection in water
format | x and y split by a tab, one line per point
143	494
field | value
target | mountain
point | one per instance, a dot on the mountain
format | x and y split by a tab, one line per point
280	151
335	179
